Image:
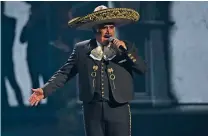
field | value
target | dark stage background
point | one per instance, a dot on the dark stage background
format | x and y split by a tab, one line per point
36	42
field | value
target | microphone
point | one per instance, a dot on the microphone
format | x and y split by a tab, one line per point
111	39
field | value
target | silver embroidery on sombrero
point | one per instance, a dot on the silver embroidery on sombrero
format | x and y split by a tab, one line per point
117	15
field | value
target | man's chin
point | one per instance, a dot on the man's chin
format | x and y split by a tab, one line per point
106	42
105	39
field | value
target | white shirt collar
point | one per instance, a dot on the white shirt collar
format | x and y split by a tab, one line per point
98	44
98	54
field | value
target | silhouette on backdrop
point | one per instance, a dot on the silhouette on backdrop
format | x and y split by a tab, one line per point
8	34
34	34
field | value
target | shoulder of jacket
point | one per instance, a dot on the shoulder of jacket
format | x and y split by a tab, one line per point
82	43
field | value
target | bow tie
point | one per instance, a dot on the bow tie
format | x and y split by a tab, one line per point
107	54
97	53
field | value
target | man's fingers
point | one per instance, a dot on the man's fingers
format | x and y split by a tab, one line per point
31	97
36	103
36	90
116	42
32	102
35	97
33	89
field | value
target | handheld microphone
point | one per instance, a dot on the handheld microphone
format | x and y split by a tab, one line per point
111	39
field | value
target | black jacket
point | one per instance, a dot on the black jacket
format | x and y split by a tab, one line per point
80	62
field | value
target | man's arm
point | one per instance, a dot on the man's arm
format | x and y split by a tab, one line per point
131	55
65	73
137	63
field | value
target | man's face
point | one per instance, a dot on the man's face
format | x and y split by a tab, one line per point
108	29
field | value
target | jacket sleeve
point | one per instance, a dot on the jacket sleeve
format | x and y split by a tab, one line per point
64	74
133	59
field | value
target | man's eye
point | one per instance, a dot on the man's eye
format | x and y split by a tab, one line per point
103	27
111	27
106	27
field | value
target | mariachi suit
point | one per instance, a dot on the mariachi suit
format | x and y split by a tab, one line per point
106	87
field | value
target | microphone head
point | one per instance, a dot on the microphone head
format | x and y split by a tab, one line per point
110	39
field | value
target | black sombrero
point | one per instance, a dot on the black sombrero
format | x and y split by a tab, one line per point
102	14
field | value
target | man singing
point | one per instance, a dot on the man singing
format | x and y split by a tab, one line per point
105	66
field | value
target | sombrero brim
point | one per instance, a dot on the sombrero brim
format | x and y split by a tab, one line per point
118	16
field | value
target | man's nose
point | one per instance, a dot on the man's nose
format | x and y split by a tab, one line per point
108	28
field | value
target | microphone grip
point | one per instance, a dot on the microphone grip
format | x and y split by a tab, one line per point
111	39
122	48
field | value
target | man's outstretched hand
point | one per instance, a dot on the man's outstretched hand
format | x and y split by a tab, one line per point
36	97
